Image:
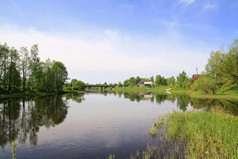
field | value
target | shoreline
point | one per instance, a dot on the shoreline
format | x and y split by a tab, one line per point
163	90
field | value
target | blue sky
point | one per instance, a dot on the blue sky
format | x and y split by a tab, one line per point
111	40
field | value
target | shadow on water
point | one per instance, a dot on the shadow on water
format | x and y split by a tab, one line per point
183	101
21	119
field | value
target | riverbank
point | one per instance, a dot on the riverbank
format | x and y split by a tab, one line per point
36	94
203	134
21	95
166	89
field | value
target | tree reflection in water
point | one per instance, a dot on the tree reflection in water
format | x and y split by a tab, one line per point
22	119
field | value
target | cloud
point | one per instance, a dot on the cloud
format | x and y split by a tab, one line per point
187	1
112	56
209	6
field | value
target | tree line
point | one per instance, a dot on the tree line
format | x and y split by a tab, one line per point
221	74
23	71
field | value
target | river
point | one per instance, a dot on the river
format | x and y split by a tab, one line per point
88	126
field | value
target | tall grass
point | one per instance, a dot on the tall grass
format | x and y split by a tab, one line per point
206	134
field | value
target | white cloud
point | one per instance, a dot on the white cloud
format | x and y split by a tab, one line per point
187	1
209	6
112	57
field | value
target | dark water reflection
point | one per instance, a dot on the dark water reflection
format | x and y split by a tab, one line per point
91	125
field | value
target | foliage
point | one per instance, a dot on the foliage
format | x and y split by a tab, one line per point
223	67
23	71
205	84
171	81
119	84
160	80
77	84
152	79
182	80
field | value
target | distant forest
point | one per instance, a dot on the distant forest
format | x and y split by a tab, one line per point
23	71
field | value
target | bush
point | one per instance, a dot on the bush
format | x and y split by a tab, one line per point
205	84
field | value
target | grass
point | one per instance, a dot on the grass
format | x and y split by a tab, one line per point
211	134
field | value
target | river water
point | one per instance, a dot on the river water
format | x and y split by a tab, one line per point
90	125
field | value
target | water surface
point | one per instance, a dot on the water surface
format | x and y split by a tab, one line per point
91	125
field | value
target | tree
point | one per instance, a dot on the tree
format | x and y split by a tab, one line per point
25	59
35	68
119	84
223	66
4	63
182	80
77	84
152	79
48	76
159	80
132	81
171	81
138	79
60	75
126	82
12	77
204	84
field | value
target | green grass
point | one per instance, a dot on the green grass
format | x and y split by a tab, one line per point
206	134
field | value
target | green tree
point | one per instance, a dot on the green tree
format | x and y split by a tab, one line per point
171	81
223	67
158	80
152	79
138	79
36	69
119	84
182	80
205	84
4	64
77	84
126	82
12	77
60	75
24	65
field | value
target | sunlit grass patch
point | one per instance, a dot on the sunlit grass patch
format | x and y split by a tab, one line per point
205	134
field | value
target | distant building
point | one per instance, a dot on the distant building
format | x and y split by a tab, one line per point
150	84
144	83
141	84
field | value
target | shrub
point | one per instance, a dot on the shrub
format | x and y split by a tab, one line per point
205	84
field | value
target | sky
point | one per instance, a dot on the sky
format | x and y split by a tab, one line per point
112	40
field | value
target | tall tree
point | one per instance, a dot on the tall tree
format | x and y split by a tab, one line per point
35	68
25	59
182	80
12	76
4	63
60	75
